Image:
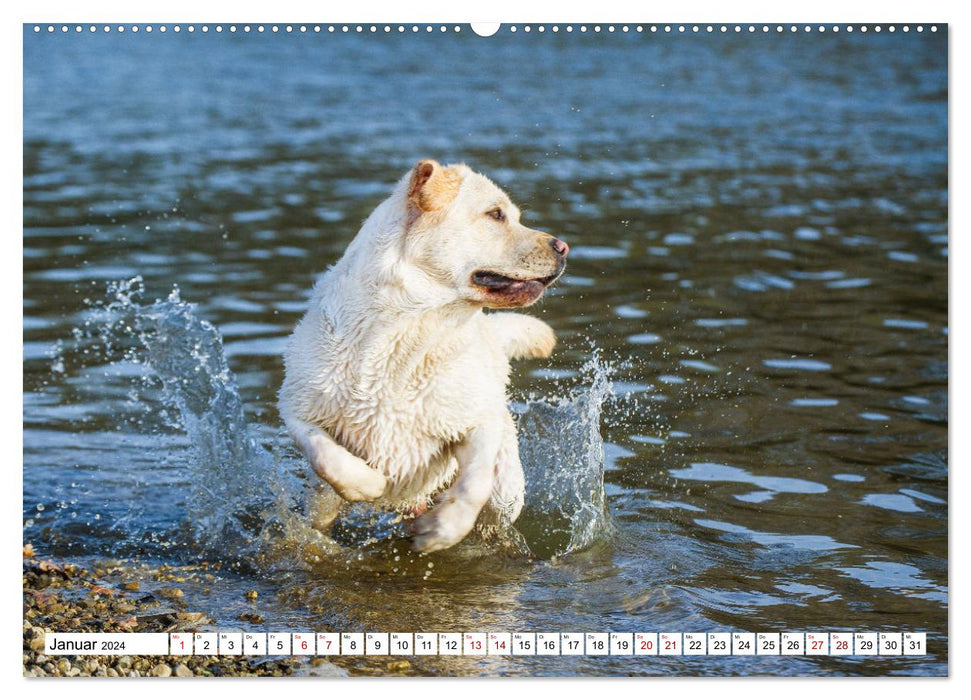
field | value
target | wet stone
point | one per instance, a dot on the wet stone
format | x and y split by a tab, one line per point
171	593
160	670
37	643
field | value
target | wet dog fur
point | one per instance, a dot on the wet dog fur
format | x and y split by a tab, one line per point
395	386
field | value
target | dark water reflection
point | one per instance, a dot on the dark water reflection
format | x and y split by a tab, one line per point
759	234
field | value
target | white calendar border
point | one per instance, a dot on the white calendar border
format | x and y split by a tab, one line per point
512	10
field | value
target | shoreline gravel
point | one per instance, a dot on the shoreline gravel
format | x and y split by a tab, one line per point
59	596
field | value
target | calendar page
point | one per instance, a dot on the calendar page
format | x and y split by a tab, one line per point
589	349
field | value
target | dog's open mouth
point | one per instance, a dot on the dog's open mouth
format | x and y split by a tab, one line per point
500	284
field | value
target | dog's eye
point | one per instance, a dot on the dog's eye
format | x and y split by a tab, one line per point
497	214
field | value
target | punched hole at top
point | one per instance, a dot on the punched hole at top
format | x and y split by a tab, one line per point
485	28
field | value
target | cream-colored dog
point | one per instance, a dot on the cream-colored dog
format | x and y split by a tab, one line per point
395	385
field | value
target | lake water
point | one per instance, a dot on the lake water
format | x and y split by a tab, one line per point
744	426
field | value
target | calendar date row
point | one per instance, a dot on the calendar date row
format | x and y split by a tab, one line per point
492	643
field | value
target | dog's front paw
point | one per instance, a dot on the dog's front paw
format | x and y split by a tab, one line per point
368	485
348	475
541	341
442	527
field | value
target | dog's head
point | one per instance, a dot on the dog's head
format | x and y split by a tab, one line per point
464	234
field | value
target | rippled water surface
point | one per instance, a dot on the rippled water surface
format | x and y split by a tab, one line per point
753	325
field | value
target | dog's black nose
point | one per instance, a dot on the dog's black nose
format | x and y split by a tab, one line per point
560	247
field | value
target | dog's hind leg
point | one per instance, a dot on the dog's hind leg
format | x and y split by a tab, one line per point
522	336
457	508
509	488
350	476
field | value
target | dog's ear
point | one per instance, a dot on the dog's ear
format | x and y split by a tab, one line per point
432	187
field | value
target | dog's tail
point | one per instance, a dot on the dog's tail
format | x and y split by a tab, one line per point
522	336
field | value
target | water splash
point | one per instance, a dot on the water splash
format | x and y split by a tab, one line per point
229	469
226	469
562	452
243	499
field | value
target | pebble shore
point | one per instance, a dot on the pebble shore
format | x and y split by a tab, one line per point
62	597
